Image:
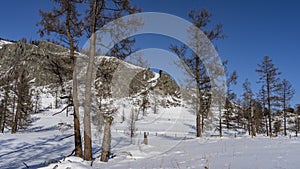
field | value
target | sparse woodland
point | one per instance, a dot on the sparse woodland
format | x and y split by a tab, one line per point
267	111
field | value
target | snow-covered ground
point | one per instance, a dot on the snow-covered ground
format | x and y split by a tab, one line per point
48	142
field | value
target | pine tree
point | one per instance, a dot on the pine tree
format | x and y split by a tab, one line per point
269	78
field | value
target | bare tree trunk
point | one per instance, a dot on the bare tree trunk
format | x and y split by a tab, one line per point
266	121
3	114
220	122
253	126
297	120
106	138
14	128
269	107
198	122
284	111
77	134
87	106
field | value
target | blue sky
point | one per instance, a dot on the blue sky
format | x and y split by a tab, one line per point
254	28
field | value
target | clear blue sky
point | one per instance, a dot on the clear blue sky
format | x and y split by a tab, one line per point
254	28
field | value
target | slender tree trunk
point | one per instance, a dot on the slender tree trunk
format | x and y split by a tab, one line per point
284	110
269	106
253	126
14	128
297	120
106	139
87	119
266	121
220	122
3	114
77	134
198	119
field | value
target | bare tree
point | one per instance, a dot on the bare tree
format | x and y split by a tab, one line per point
297	119
131	124
24	104
65	22
229	108
286	93
247	97
261	96
108	110
101	12
201	19
269	77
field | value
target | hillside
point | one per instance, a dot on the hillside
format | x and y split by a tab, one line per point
171	145
146	103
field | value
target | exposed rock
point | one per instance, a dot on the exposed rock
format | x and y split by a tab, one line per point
43	63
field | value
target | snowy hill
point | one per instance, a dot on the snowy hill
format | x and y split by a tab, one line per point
48	142
3	42
153	100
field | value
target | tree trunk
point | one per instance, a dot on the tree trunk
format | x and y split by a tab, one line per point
220	122
87	119
198	122
253	126
3	114
284	110
106	138
269	107
77	134
266	121
14	128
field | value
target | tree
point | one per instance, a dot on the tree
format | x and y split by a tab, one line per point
65	22
297	119
286	93
261	97
268	76
229	108
131	124
101	12
4	109
201	19
24	104
247	99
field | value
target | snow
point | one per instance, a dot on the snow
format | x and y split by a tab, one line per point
172	144
3	42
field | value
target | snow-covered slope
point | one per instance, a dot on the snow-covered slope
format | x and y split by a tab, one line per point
3	42
171	144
